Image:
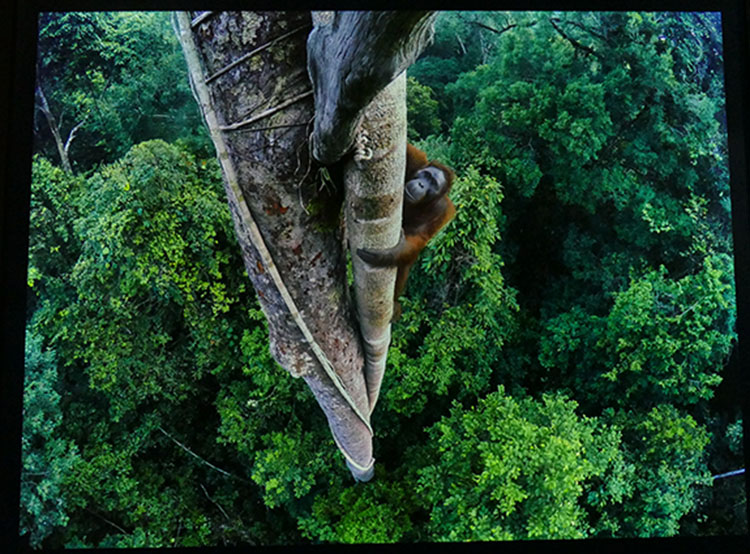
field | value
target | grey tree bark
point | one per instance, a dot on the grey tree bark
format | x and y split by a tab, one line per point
249	75
374	183
352	55
352	58
62	149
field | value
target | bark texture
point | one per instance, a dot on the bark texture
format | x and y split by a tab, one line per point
248	71
374	182
352	55
62	149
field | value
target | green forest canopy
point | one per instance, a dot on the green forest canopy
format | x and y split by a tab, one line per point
558	370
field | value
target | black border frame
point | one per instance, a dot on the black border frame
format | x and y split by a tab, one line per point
18	31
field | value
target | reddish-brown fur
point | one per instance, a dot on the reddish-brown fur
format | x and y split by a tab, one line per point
421	222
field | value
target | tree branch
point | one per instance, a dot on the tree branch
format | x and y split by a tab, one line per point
577	45
71	136
214	502
461	44
729	474
584	28
487	27
202	460
201	18
61	149
351	56
105	520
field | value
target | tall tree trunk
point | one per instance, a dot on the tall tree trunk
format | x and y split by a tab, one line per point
352	57
62	149
248	72
374	182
